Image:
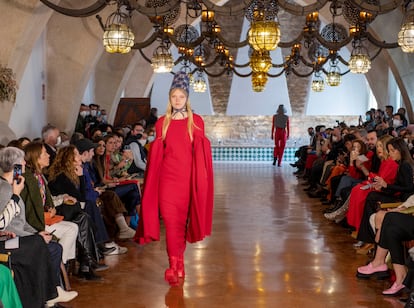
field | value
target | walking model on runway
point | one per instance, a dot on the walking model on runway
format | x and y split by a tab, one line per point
280	133
178	182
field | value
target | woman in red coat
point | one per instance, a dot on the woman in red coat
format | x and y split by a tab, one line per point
387	171
280	133
179	180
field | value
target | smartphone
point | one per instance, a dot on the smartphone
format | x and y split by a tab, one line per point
17	171
362	158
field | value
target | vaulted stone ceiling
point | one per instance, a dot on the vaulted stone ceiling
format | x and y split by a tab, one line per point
74	53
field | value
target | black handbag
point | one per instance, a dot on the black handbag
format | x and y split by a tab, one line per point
69	211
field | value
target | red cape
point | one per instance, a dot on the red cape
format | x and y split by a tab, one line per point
202	193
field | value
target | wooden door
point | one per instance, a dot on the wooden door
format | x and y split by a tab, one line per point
131	110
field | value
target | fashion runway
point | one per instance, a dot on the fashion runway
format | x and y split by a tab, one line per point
270	247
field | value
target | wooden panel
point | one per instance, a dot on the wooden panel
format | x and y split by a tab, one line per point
131	110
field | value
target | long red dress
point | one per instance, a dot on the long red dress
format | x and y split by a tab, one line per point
387	171
179	183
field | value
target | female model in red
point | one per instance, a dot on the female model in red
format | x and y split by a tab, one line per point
179	180
280	133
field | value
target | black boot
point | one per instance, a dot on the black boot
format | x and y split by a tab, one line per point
274	160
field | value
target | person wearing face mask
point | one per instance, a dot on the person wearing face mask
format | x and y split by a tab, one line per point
398	122
136	141
84	111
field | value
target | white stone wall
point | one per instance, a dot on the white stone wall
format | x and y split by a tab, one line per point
256	130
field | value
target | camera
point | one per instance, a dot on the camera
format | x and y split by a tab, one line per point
17	171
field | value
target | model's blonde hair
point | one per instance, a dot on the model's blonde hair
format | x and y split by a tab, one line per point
169	112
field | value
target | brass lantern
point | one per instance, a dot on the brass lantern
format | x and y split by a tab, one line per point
333	78
406	34
318	84
260	61
259	81
199	84
264	35
360	63
162	60
118	36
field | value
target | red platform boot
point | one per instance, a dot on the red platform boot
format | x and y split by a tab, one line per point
171	273
180	267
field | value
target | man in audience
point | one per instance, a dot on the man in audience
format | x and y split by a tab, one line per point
51	138
135	142
371	141
84	111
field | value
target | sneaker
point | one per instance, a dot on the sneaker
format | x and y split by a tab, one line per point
126	234
106	250
110	244
63	297
118	251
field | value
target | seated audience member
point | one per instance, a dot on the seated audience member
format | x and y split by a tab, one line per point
403	112
358	169
398	121
36	261
9	297
122	159
67	183
341	160
387	171
136	141
51	139
153	117
383	192
38	201
395	229
86	149
127	190
23	141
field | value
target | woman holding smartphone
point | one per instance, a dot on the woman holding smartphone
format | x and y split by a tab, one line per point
36	261
384	192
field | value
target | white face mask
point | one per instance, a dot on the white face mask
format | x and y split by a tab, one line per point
396	123
94	113
84	113
151	138
143	141
64	144
58	141
334	139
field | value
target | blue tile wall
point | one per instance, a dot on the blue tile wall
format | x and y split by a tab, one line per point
223	153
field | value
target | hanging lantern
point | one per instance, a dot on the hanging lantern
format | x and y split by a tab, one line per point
264	35
199	84
360	63
118	36
406	34
333	78
260	61
162	60
317	84
259	81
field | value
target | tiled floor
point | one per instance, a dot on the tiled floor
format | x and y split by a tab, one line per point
270	247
